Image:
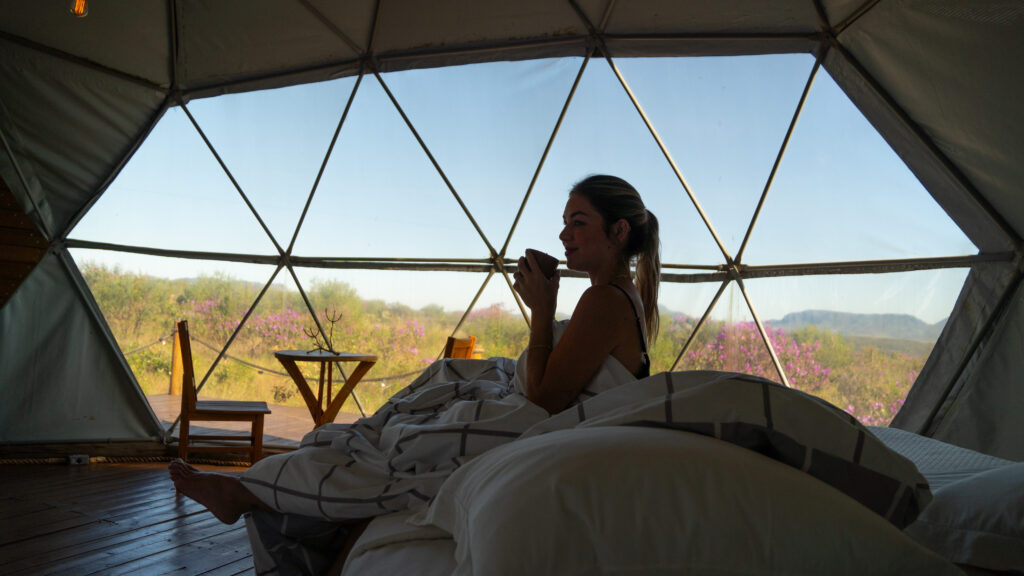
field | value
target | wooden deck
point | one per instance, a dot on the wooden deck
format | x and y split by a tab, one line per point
118	518
111	519
284	426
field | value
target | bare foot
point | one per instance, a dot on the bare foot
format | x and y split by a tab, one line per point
222	494
179	467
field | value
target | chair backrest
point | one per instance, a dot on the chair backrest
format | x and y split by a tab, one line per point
188	377
460	347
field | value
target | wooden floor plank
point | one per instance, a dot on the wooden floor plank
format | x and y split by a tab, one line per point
49	513
64	482
40	523
111	519
15	507
185	551
136	553
236	568
79	543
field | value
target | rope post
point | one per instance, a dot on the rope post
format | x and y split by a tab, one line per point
177	373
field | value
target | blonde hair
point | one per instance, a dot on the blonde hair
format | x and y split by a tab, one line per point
616	199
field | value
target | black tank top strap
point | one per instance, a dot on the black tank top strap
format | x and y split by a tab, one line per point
645	369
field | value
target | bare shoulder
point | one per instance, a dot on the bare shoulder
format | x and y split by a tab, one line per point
595	327
603	302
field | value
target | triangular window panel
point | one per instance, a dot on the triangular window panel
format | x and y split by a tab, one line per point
723	120
858	341
487	125
249	369
274	142
680	306
142	298
173	194
378	314
214	306
380	195
730	340
841	193
603	133
497	322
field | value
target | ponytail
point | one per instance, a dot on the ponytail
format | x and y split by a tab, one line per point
648	275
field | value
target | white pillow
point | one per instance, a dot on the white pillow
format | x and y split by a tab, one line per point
977	521
618	500
389	545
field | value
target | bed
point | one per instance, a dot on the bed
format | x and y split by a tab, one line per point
976	516
650	499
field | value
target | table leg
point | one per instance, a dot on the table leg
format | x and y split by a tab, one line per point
320	391
350	383
300	381
330	374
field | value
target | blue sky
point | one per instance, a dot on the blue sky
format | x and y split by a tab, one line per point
840	193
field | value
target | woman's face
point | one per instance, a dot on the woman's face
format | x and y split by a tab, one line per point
587	247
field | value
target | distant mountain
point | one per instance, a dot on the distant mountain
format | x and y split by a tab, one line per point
898	326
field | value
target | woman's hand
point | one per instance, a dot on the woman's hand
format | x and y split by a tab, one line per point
538	292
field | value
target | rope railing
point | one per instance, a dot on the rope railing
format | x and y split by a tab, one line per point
163	339
237	359
159	340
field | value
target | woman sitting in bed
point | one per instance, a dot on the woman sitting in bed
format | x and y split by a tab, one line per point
398	457
606	226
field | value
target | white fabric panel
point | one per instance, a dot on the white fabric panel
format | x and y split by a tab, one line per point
413	25
68	126
140	24
237	40
707	46
981	293
701	17
986	414
59	378
953	66
838	11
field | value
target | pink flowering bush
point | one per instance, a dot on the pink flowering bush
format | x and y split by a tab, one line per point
856	375
740	348
867	382
499	331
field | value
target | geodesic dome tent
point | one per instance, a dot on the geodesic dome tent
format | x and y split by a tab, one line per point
937	79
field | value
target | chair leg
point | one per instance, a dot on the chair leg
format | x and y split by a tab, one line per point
257	439
183	439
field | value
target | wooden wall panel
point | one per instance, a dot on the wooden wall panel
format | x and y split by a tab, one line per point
22	245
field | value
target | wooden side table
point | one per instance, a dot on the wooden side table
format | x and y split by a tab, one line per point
324	408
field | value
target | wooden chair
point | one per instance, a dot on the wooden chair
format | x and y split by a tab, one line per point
460	347
215	411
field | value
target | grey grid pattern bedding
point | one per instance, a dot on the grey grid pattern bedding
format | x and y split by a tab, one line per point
398	458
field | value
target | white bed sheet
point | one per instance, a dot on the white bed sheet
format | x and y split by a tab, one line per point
940	463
